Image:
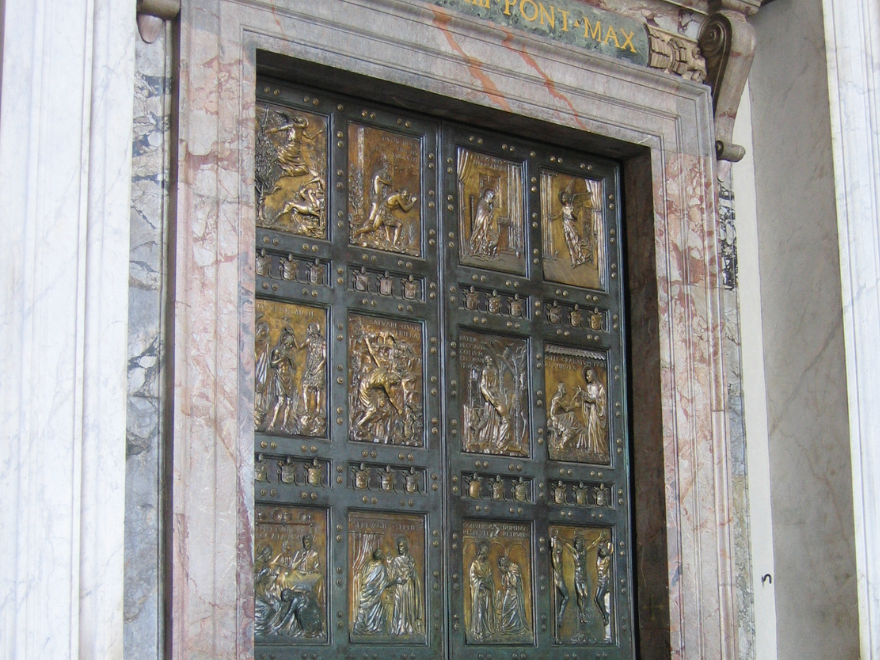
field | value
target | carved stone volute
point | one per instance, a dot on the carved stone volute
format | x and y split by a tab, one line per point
727	42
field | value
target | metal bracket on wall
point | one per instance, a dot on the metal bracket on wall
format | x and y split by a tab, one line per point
151	17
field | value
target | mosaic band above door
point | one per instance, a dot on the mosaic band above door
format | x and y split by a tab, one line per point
439	396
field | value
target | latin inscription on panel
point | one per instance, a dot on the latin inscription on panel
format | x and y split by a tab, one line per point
572	230
497	561
384	182
490	212
290	378
577	414
494	383
289	575
385	390
581	564
291	171
386	559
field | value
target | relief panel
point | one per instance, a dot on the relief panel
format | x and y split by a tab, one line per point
490	213
291	171
386	559
385	387
290	603
572	230
576	384
290	378
582	569
497	561
494	379
384	180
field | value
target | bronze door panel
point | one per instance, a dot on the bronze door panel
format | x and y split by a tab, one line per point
440	412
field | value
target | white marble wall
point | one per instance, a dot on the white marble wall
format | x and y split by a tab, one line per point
804	358
65	163
852	33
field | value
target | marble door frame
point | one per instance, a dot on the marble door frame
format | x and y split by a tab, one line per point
663	128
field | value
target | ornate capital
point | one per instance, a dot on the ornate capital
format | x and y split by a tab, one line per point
727	42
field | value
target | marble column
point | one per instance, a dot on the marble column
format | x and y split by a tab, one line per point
65	167
852	35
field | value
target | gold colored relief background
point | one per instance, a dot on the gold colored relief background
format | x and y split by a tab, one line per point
384	182
290	378
577	414
490	215
291	171
572	230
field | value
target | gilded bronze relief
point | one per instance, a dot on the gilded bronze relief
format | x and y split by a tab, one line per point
581	565
490	212
289	573
384	180
572	229
497	561
576	384
290	376
496	487
386	559
385	390
387	478
291	171
494	377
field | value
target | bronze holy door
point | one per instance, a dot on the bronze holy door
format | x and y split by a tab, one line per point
440	398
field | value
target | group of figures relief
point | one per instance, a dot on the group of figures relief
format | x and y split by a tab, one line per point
290	376
384	181
385	390
497	562
581	561
495	410
387	594
577	415
290	175
289	594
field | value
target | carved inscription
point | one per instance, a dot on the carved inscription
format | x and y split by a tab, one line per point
490	212
576	384
581	565
386	559
291	171
289	575
385	390
572	228
494	377
290	377
497	562
384	180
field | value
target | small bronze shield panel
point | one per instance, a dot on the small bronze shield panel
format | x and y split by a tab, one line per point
490	213
576	384
384	181
290	571
386	563
385	386
494	381
290	377
572	230
291	171
581	564
497	561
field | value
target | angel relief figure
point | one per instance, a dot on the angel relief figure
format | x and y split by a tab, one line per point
575	228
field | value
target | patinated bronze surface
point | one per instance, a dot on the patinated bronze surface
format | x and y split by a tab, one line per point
290	570
498	597
581	563
385	391
384	180
291	171
290	381
386	565
440	440
572	230
577	412
490	212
